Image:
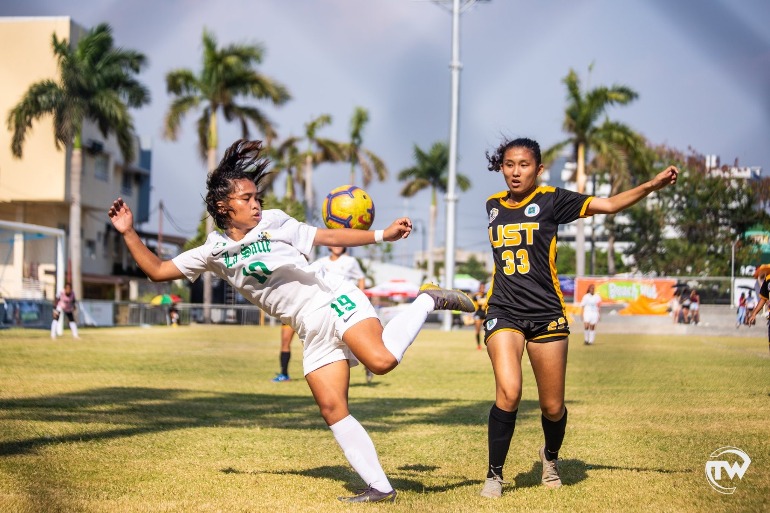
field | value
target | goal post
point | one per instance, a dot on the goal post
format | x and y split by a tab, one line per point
48	231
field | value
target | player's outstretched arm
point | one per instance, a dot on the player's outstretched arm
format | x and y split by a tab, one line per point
627	198
348	237
757	309
156	269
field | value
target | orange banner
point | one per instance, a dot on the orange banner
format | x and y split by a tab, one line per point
627	290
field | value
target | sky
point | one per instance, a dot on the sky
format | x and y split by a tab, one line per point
701	69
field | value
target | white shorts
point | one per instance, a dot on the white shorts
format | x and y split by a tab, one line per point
590	317
322	330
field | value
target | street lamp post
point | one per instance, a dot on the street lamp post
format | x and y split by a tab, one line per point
451	197
732	271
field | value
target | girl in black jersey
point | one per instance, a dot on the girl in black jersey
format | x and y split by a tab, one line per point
525	307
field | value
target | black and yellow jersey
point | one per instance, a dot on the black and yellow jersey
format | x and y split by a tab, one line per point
525	284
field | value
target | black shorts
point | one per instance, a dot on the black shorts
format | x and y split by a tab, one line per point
70	315
479	314
533	331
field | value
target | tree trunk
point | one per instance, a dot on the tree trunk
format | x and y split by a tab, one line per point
76	251
309	200
609	225
208	287
432	236
580	234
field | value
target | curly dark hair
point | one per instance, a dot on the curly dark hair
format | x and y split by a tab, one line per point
241	161
496	159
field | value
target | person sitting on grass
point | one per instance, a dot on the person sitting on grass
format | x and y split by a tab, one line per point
263	255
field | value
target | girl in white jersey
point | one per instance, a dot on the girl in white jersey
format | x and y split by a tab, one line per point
590	314
262	253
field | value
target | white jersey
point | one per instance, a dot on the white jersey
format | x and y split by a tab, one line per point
345	266
268	266
590	304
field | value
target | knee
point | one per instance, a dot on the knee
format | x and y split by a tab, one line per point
382	364
553	411
508	399
333	412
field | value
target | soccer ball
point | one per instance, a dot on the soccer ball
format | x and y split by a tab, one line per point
348	206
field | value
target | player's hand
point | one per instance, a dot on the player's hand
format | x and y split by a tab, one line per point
666	177
121	216
399	229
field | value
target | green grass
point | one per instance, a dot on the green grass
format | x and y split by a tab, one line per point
186	420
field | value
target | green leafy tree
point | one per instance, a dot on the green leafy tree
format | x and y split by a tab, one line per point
227	76
371	165
96	82
581	121
430	171
474	267
621	160
706	211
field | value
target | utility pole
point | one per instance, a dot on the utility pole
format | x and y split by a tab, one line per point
451	197
160	229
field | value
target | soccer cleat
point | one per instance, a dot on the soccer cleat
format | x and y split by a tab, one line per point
445	299
493	487
371	495
280	378
551	477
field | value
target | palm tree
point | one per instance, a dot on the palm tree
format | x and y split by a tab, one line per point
319	150
431	170
584	108
286	156
97	83
622	155
371	165
228	75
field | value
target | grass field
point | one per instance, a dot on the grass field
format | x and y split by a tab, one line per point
187	420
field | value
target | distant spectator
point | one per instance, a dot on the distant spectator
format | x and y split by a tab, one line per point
676	307
751	303
65	303
741	319
694	307
173	315
684	315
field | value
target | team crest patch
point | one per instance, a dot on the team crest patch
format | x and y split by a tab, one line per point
263	236
532	210
491	323
493	214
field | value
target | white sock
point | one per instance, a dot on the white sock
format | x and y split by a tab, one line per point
586	336
53	328
74	328
360	452
401	331
591	336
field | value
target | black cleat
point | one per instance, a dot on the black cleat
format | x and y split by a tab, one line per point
371	495
445	299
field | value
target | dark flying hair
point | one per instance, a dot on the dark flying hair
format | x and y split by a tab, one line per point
496	159
241	161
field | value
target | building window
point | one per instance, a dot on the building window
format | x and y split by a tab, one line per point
127	185
102	167
91	249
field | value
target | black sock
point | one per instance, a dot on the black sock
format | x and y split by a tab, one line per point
500	431
478	339
554	435
285	357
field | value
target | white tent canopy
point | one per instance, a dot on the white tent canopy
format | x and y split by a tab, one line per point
395	288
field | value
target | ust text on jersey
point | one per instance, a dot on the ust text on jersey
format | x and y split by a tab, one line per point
513	235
